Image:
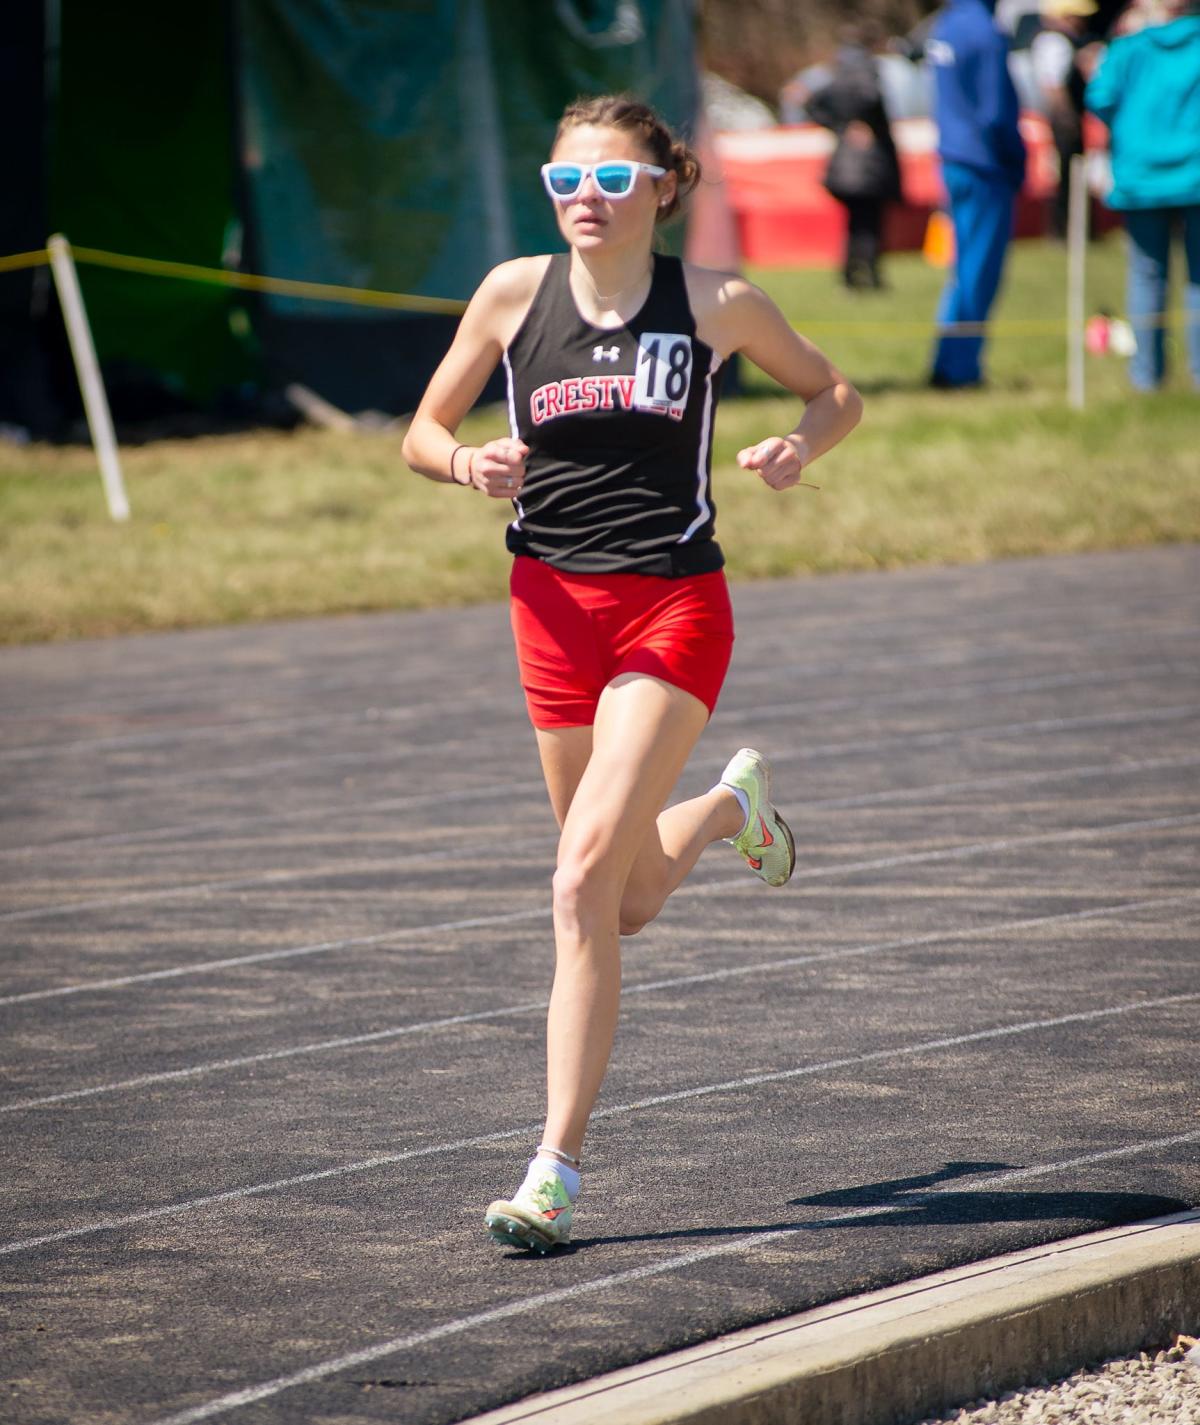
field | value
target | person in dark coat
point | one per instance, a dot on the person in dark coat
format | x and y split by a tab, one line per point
864	172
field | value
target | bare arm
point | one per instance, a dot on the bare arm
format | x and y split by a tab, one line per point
745	319
430	446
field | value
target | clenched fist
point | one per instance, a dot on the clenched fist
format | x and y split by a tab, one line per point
498	468
776	461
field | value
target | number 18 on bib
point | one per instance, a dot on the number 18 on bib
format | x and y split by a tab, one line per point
664	373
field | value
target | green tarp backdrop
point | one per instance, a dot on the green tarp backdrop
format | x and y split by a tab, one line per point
384	144
142	162
398	146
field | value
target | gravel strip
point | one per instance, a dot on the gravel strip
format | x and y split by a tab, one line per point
1163	1389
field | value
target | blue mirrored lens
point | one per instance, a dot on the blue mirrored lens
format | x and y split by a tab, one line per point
614	177
565	178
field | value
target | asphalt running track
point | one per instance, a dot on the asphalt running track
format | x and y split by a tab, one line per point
276	955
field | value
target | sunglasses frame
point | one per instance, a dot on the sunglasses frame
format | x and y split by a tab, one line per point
588	170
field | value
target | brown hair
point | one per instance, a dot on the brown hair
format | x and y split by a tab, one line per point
631	116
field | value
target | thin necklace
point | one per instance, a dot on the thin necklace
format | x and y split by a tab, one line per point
610	296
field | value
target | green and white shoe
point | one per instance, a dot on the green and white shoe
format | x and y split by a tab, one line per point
539	1215
766	841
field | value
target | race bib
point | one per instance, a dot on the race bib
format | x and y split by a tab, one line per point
663	376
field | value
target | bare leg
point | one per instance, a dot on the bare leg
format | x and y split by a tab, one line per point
672	846
644	733
671	849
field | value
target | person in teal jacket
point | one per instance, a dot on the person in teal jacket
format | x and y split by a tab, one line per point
1147	90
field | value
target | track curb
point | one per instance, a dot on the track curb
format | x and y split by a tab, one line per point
895	1356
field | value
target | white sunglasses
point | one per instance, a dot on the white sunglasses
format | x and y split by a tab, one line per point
614	178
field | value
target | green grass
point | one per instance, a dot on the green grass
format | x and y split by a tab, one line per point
270	525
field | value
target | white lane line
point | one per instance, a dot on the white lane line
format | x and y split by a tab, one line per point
323	814
873	1056
252	768
397	753
746	1241
305	689
1003	927
408	712
876	1055
330	870
153	1214
376	758
1010	779
742	882
285	954
929	790
911	942
337	868
302	687
827	750
1003	843
291	687
350	1041
223	730
1000	729
536	785
955	692
1059	646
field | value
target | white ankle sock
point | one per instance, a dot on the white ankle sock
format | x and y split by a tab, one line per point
743	801
569	1176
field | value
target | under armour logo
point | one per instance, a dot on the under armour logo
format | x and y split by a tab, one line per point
603	353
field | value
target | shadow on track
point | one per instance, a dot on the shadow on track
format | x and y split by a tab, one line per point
911	1206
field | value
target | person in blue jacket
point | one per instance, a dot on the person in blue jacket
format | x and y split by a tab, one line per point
1147	90
983	167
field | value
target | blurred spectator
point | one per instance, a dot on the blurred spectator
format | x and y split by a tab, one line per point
1054	52
983	166
1147	90
912	44
728	108
794	95
864	172
902	82
1137	14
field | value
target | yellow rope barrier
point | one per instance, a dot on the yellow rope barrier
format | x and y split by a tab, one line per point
280	286
410	302
1016	325
17	260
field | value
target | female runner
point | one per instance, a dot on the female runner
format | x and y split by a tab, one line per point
620	610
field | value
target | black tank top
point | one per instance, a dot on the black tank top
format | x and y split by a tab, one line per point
619	426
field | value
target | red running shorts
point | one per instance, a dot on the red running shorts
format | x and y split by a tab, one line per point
575	633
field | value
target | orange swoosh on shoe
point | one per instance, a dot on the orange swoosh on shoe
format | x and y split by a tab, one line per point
768	839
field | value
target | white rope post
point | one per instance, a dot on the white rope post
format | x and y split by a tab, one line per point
87	369
1076	260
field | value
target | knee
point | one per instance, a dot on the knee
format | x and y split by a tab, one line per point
569	887
582	892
